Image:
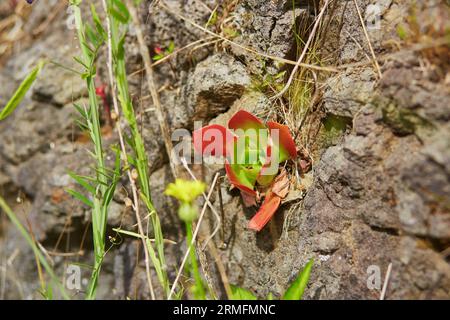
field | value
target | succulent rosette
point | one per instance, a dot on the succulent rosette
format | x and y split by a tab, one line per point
252	151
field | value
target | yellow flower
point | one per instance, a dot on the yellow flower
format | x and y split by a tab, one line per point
184	190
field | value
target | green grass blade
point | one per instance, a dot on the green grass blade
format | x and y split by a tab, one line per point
80	197
297	288
21	91
119	11
90	43
81	62
241	294
98	24
82	182
12	216
198	289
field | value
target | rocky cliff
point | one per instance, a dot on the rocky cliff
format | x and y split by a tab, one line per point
375	190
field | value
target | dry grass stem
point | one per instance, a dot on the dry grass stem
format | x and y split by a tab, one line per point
152	86
304	52
375	61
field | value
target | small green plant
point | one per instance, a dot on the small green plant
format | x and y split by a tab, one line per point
212	20
267	82
161	53
402	32
253	156
239	293
230	32
294	292
120	19
103	184
186	192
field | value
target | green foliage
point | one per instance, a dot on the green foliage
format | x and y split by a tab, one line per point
402	121
212	20
80	197
102	186
230	33
198	289
29	239
333	129
167	51
120	17
186	192
20	93
297	288
241	294
268	82
294	292
47	292
402	32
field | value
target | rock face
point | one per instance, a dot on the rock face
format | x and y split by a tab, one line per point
215	84
383	191
378	194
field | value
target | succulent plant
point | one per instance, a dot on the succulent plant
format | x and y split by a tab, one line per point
252	151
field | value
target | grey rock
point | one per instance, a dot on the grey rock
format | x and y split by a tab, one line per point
427	100
346	95
215	84
326	242
412	213
428	178
268	27
34	136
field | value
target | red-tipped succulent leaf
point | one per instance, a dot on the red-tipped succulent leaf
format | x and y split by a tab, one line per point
286	143
277	191
213	140
269	170
265	212
239	182
245	120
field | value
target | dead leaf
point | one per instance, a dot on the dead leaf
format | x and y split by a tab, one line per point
281	184
305	165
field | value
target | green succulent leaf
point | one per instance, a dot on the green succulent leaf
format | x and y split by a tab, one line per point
246	175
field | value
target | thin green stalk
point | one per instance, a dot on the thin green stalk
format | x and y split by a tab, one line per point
199	290
99	211
140	161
